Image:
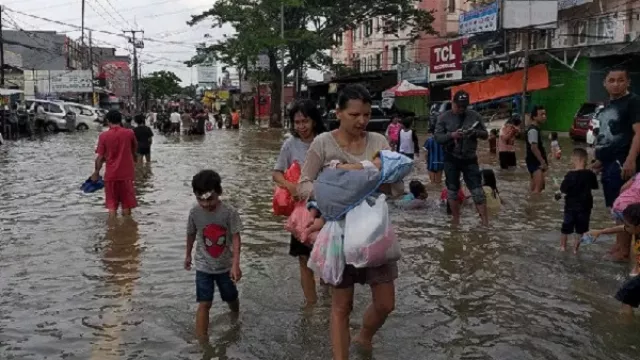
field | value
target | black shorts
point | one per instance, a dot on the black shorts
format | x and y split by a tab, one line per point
575	222
629	293
507	159
296	248
144	151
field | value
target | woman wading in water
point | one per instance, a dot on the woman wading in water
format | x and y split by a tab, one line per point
351	143
305	124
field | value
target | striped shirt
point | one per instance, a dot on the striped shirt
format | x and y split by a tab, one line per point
435	155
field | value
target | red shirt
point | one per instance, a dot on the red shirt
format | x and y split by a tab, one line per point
117	146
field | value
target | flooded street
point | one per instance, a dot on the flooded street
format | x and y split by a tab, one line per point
71	288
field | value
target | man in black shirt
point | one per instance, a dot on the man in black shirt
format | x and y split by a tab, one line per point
578	201
144	136
536	157
618	143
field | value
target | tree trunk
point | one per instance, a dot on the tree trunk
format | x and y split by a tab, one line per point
275	120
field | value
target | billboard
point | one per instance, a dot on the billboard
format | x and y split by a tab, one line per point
518	14
76	81
446	61
566	4
482	19
117	77
207	74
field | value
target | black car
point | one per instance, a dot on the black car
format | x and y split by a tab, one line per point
379	120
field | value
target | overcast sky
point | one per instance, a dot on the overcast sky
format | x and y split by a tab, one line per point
168	39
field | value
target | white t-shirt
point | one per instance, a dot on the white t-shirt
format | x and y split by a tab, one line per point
406	142
175	118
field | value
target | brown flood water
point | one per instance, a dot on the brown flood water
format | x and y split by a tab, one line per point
72	288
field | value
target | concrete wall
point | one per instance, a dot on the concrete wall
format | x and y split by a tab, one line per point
52	55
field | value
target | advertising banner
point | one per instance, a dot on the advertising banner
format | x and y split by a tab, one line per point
482	19
446	61
117	76
207	74
75	81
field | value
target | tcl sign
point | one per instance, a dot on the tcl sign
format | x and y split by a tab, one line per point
446	62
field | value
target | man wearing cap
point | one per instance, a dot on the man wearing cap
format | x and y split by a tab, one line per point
458	131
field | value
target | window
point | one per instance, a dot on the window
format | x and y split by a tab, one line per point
371	64
353	35
364	65
378	60
402	54
339	39
451	6
54	108
394	57
368	28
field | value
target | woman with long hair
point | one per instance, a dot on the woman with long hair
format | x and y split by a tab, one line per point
305	124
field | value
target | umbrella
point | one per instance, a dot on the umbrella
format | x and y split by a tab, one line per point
405	88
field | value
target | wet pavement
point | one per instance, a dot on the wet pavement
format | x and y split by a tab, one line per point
72	288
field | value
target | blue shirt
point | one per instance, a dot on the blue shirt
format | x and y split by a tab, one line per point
435	154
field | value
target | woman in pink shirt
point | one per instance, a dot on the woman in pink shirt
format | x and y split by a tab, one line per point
506	143
629	194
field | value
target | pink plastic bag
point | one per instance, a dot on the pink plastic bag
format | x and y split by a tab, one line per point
297	223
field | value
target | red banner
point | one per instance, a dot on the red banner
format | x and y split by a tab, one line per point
446	61
118	77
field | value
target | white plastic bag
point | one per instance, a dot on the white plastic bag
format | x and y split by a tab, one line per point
369	238
327	256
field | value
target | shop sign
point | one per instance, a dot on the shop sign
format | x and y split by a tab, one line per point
413	73
446	62
482	19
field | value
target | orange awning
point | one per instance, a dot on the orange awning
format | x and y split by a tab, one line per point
505	85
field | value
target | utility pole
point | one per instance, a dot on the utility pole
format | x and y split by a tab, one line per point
93	75
282	75
1	50
82	37
136	45
525	76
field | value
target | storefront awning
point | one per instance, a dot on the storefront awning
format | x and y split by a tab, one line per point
505	85
405	88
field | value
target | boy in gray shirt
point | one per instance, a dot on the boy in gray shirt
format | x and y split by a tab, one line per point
214	228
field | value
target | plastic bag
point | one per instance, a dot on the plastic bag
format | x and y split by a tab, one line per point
297	222
327	257
283	203
369	238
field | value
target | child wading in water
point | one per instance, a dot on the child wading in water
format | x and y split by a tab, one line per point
215	229
393	132
490	188
435	157
578	201
629	293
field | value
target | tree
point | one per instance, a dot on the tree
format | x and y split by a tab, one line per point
160	84
310	28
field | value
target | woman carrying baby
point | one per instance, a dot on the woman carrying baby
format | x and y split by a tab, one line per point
351	143
306	123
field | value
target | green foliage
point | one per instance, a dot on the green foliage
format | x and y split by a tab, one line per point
160	84
309	28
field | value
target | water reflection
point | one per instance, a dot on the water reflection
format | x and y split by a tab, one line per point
72	287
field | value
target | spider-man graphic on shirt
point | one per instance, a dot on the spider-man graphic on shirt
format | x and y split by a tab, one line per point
215	239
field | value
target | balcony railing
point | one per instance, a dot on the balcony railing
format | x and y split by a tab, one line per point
596	30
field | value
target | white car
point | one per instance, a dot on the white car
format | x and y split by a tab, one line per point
86	116
58	118
594	127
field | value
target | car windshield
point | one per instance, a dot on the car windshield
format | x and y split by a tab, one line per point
587	110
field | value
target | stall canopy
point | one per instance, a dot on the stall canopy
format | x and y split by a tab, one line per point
505	85
405	88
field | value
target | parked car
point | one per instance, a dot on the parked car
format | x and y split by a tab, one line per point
378	122
582	121
58	117
86	116
594	127
436	109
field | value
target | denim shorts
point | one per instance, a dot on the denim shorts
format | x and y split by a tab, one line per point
611	182
617	216
206	283
470	172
